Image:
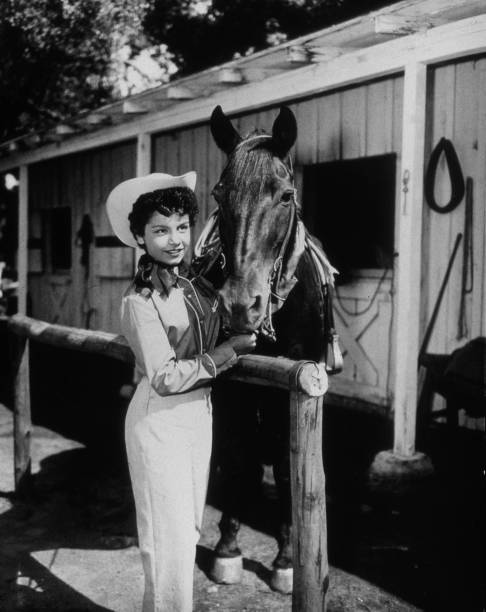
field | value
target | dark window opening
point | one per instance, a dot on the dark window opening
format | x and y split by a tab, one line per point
349	206
57	239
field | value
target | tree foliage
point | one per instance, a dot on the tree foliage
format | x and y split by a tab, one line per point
236	27
56	57
61	57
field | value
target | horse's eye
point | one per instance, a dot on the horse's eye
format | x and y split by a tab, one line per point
287	197
217	191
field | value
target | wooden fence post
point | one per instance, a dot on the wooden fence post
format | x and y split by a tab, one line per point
22	416
311	568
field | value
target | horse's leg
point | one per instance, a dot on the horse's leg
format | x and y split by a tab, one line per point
276	425
240	471
281	471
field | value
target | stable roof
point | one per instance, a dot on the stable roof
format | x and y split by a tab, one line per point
331	57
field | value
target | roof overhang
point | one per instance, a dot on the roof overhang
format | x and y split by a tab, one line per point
343	55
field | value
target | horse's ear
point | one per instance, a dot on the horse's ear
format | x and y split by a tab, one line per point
224	134
284	132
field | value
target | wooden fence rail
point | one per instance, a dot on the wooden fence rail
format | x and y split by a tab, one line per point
307	473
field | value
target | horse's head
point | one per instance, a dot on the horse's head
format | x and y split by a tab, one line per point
255	194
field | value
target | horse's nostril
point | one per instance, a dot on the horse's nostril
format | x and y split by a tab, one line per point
257	304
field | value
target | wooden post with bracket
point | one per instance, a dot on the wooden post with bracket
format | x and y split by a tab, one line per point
309	525
22	415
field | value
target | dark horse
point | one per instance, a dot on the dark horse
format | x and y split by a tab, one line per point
270	283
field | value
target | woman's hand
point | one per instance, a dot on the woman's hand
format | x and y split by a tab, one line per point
242	343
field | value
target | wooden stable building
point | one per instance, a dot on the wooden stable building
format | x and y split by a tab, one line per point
372	97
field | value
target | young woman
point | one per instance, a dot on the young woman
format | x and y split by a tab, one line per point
170	321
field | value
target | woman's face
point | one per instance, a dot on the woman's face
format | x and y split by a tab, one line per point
166	239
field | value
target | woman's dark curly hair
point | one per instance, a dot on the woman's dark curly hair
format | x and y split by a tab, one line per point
180	200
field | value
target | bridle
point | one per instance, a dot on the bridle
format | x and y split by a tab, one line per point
208	253
210	247
275	300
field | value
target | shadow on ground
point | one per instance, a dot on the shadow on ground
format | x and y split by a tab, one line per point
426	548
74	504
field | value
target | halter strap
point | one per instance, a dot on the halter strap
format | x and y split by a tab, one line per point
208	250
274	299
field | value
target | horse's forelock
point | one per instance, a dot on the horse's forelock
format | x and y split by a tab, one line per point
258	139
260	143
249	162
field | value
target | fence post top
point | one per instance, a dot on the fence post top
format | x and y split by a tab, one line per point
309	377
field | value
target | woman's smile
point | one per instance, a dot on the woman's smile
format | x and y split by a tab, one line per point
167	239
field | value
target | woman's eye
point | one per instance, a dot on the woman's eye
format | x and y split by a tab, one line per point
183	228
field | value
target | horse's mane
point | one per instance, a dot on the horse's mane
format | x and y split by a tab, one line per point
249	161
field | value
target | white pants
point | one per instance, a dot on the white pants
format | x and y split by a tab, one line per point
168	443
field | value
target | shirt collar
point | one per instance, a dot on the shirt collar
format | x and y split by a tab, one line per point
164	279
153	275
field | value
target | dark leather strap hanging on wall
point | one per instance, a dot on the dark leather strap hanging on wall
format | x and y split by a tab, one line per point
455	173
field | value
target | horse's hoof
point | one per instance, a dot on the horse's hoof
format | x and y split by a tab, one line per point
227	570
282	580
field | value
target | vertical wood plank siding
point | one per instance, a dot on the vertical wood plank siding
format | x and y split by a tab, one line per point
355	122
350	123
82	182
458	112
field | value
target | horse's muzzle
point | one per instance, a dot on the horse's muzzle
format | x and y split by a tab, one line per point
242	313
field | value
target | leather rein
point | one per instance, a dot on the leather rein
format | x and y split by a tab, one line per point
208	252
275	300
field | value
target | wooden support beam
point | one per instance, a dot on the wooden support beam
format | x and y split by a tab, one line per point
132	107
143	167
298	54
22	415
23	233
260	73
94	119
309	526
144	154
438	44
324	54
32	140
177	92
140	106
230	76
307	53
406	345
63	129
400	25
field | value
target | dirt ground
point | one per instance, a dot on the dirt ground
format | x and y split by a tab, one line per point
73	548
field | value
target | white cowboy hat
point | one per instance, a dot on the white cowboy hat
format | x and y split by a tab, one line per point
120	202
